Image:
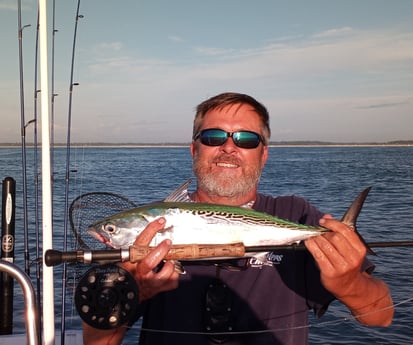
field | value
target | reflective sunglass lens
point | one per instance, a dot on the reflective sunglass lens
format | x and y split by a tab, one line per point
246	140
213	137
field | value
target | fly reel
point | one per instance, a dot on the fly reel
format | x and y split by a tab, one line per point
106	297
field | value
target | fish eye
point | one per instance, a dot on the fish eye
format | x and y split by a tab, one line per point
110	228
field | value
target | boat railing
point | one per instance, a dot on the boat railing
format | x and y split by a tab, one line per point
31	313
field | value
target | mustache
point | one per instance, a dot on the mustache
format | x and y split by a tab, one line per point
226	158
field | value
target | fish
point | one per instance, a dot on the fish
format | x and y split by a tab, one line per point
201	223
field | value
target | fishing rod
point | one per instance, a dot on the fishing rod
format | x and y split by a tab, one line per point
95	291
52	91
67	177
36	172
181	252
23	140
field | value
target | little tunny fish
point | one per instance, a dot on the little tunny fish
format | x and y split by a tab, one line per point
191	223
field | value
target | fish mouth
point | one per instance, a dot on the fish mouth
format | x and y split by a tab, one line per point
99	237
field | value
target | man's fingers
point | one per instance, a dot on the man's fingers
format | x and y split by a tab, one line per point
348	233
154	258
168	276
146	236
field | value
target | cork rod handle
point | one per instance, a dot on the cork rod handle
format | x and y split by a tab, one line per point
192	251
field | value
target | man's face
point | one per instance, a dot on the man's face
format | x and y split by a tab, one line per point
229	170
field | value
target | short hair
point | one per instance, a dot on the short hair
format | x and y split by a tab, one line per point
229	98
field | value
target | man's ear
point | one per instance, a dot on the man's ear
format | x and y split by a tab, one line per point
192	149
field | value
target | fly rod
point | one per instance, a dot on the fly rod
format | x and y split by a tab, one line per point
181	252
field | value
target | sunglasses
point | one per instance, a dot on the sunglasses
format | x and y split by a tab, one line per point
218	137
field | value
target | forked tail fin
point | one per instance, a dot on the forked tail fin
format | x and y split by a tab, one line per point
350	217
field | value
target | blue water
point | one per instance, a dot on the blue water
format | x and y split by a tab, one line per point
329	177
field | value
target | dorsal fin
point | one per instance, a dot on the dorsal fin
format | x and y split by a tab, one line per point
180	193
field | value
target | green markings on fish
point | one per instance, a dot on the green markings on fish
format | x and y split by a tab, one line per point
190	223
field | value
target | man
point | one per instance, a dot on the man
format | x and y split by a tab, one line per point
246	301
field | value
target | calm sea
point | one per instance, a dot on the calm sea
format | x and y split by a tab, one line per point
330	177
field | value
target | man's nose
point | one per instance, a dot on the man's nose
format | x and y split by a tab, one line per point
229	145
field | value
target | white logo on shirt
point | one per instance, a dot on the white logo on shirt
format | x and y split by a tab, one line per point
271	259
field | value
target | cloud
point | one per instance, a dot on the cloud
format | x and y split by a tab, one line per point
304	68
334	33
213	51
335	48
11	5
331	63
175	38
324	59
383	105
340	82
109	46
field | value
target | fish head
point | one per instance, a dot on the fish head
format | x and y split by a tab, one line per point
117	232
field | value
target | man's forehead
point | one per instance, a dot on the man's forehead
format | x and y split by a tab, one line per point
232	109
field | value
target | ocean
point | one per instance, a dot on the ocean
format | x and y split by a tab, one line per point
329	177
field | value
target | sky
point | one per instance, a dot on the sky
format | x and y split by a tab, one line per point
339	71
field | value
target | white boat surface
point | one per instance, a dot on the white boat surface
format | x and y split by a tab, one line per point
72	337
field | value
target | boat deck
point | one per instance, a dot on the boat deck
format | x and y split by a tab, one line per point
73	337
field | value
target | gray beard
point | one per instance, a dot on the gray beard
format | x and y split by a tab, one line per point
224	185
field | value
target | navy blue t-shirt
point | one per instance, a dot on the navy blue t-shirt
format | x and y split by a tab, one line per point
257	301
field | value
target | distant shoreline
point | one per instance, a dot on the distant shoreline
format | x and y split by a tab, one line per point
400	143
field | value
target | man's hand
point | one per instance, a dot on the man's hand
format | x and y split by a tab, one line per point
340	255
150	282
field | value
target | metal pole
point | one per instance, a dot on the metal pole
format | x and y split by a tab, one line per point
47	229
29	298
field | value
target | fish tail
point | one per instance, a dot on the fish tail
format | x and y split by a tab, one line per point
350	217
